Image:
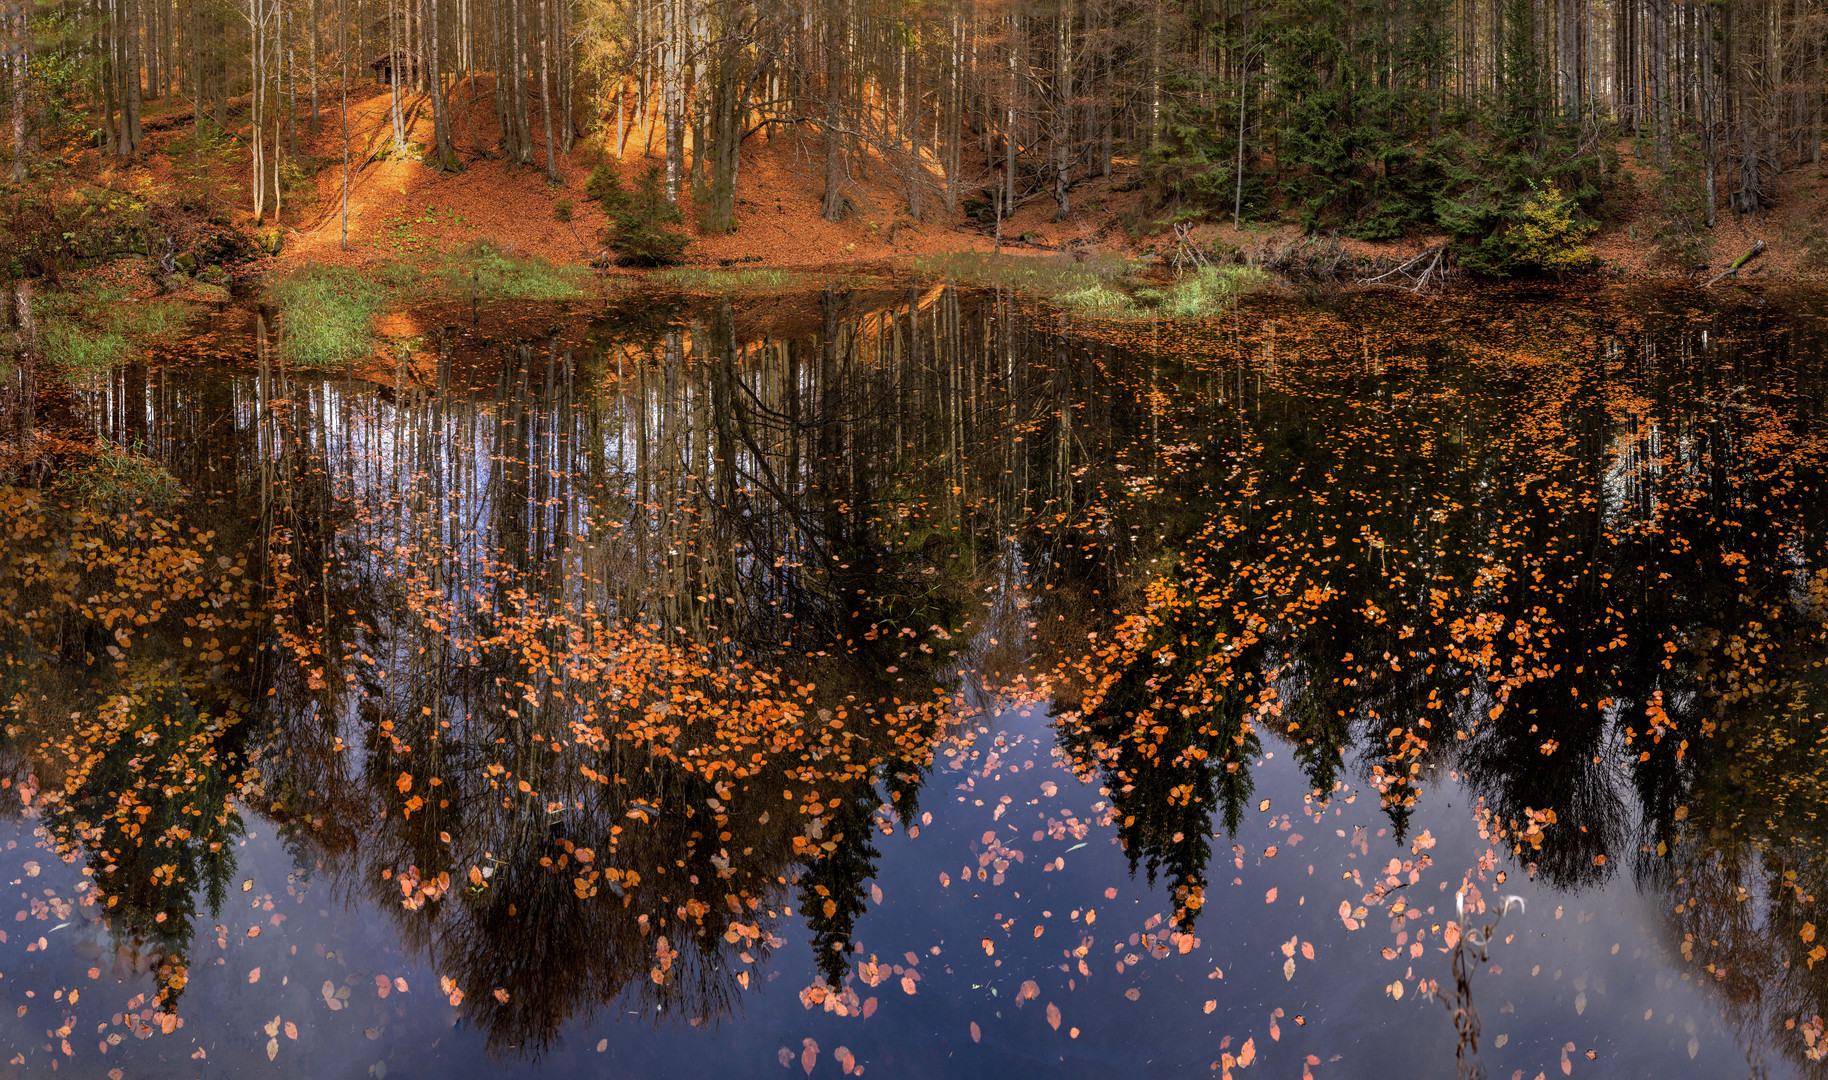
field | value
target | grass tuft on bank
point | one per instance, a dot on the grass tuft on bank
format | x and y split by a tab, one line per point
1205	292
116	477
85	331
326	314
755	279
484	271
1098	286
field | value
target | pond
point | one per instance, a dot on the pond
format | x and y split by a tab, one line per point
915	683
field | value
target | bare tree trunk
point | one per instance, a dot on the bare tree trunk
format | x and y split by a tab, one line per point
672	62
523	116
342	51
1063	112
956	126
106	89
546	88
396	58
1155	75
256	56
621	118
565	74
1709	152
1009	126
1816	106
836	202
1657	67
219	64
1106	117
311	58
444	150
1237	199
19	67
130	57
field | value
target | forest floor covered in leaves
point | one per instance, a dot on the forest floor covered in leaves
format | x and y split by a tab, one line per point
400	209
404	219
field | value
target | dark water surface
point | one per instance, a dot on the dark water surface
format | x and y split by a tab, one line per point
911	684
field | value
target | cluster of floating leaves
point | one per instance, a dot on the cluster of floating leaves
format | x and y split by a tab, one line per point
643	647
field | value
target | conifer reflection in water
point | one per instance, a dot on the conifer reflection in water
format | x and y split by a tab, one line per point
661	580
577	628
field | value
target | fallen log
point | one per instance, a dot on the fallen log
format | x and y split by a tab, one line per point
1410	278
1753	252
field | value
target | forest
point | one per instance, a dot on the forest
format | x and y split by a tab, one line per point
965	538
1506	125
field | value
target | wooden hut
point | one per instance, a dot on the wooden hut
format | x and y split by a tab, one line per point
401	60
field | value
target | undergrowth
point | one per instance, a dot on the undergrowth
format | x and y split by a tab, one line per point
1104	287
695	279
483	271
1206	291
116	477
326	314
87	330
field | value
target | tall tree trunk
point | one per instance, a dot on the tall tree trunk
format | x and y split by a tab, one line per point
546	89
672	64
444	150
1063	112
342	52
396	58
256	57
130	117
1709	88
523	116
1009	126
621	96
19	69
101	45
1657	71
565	74
1237	198
836	201
311	58
499	49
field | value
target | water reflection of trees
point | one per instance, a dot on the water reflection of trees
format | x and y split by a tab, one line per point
1578	579
649	636
695	586
134	761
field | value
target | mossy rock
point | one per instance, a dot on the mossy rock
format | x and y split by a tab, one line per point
187	263
271	241
222	246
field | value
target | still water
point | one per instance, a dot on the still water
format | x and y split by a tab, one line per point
913	683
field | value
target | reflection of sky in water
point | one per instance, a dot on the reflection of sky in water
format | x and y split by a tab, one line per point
1583	967
1592	967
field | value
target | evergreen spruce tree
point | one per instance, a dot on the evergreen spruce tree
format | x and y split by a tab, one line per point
641	222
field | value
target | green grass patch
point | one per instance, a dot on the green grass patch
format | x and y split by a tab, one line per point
85	331
484	271
116	477
1049	277
1104	287
326	314
696	279
76	350
1205	292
